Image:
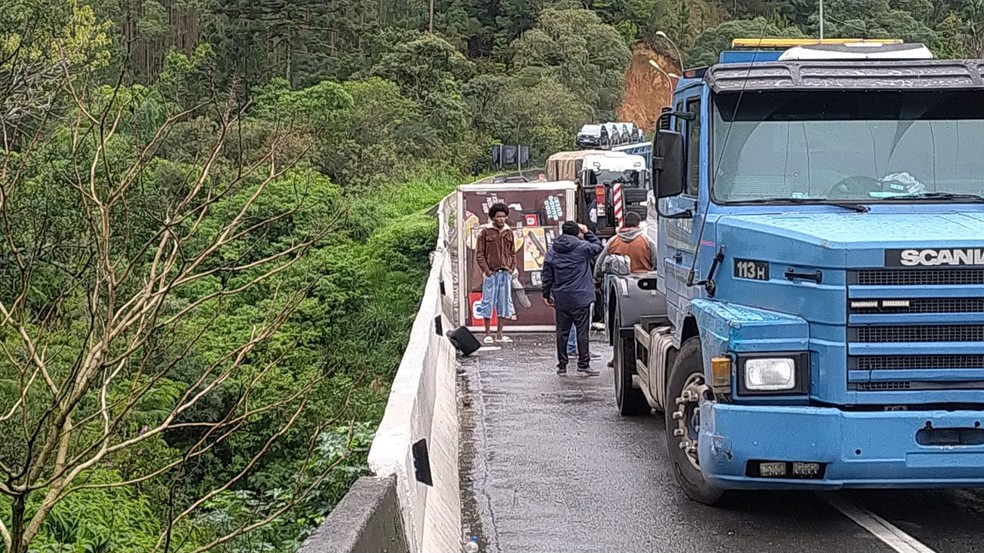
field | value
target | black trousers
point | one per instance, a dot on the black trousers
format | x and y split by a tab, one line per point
581	320
599	309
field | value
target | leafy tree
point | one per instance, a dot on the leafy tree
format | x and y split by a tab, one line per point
579	51
188	80
711	42
923	11
543	113
111	289
634	19
430	71
465	24
953	39
39	42
482	94
972	17
512	18
377	140
797	12
529	108
872	19
424	66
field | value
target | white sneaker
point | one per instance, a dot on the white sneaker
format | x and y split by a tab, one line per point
597	326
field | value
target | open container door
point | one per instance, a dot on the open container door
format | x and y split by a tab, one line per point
536	212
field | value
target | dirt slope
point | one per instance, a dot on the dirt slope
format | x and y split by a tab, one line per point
646	89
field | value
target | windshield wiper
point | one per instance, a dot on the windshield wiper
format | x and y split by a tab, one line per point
860	208
935	196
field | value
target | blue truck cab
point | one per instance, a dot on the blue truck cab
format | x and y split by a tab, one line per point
816	318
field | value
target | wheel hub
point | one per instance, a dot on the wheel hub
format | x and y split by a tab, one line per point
687	416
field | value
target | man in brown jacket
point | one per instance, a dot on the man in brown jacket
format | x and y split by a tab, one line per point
631	242
495	252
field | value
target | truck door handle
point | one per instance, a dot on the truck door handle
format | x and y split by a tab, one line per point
815	276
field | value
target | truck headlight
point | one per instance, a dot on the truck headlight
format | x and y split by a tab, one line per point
770	374
774	373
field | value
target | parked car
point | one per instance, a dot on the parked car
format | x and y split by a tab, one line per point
590	136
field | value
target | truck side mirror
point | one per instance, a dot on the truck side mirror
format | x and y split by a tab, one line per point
669	168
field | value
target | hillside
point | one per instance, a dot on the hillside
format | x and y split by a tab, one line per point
646	89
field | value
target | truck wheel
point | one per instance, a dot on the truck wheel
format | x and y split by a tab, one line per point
630	401
685	390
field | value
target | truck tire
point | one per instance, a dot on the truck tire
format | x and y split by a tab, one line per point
684	390
630	401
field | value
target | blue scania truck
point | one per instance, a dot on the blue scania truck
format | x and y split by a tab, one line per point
816	317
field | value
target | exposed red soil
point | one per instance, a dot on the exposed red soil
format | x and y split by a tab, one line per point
647	90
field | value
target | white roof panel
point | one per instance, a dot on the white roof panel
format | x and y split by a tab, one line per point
857	51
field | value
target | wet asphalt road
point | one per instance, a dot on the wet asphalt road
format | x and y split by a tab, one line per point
548	466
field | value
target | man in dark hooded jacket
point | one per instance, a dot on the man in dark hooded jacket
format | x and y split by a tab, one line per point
568	287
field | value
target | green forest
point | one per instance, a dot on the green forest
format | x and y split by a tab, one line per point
214	228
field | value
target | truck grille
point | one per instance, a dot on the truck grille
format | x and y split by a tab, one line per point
917	362
949	330
921	333
917	277
930	305
879	386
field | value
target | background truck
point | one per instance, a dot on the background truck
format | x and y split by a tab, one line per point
816	318
606	136
611	184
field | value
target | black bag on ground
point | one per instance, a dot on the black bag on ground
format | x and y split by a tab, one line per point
463	340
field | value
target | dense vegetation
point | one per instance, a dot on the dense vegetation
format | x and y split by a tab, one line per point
214	235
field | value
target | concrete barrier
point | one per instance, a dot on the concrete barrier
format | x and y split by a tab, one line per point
417	438
367	520
422	406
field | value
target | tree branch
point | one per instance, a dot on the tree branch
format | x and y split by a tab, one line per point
249	466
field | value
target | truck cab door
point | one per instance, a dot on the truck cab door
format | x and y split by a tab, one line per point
678	238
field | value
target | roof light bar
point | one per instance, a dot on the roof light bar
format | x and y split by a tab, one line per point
793	42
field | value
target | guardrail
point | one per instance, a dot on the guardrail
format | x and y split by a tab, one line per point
367	520
411	503
415	448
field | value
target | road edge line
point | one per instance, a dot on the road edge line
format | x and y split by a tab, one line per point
888	533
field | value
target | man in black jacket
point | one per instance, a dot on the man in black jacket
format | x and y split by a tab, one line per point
568	287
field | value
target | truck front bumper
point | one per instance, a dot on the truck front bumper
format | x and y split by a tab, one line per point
858	449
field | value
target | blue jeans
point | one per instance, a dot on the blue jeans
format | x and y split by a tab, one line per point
572	341
496	296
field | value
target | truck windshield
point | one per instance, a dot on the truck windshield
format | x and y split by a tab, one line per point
628	179
848	146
